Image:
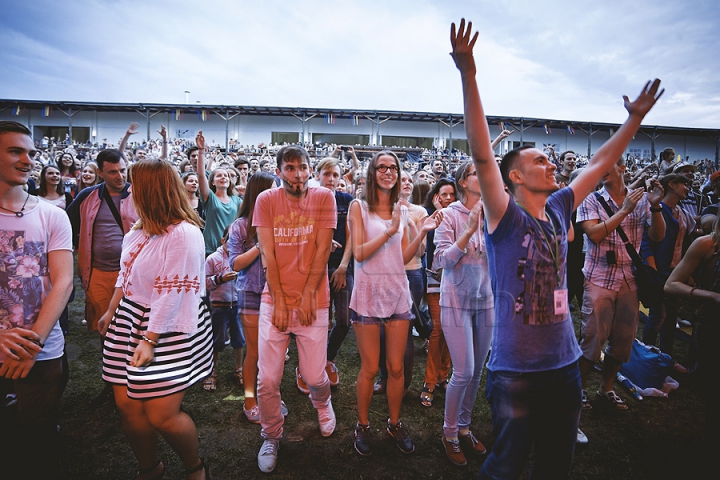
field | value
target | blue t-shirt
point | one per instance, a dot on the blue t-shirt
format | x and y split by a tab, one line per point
528	336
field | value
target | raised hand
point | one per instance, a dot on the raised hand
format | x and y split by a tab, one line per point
133	128
431	222
462	47
474	218
655	192
632	198
200	141
162	132
645	101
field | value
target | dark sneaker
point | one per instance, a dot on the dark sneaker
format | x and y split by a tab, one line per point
586	405
453	451
362	439
472	444
402	439
613	399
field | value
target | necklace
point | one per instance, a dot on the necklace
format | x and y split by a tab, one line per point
19	214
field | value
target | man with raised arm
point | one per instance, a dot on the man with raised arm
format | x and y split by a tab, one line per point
533	382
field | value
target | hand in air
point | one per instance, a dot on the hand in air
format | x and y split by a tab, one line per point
462	47
200	141
655	192
133	128
645	101
162	132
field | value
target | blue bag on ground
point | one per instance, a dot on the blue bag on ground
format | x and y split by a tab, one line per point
648	366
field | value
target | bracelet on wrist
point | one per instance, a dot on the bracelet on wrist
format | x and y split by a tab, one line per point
692	290
655	209
387	234
151	342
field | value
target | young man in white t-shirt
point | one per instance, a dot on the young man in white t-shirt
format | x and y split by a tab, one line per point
36	274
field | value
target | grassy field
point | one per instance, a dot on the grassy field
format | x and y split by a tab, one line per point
654	439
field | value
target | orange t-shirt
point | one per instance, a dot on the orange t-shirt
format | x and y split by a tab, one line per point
295	228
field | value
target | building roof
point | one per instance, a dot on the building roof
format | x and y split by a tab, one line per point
374	115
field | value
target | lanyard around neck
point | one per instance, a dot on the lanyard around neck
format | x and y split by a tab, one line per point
556	254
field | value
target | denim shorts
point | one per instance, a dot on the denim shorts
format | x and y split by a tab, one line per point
363	320
248	303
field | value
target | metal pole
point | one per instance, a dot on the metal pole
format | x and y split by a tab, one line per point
652	145
147	117
377	131
590	134
227	130
451	138
70	125
304	120
522	131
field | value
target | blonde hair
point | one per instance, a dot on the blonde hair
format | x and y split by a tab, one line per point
160	198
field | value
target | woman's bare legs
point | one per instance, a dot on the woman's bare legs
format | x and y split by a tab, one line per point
250	366
368	344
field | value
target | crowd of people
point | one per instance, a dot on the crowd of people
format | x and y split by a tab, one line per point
183	248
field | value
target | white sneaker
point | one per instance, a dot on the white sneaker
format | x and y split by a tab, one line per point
581	437
326	419
267	457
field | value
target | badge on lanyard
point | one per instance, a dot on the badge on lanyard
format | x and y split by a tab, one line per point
561	301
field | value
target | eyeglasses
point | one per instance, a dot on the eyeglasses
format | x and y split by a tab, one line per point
385	168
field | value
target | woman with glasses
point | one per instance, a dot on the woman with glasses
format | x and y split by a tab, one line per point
383	242
466	310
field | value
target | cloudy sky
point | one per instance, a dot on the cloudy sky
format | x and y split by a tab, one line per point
559	59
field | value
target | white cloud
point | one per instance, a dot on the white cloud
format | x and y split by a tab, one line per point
566	60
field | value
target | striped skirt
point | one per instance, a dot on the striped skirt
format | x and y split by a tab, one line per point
180	359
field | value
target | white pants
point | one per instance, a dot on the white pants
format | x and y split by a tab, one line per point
312	356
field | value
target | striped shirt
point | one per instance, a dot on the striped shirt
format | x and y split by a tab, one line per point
596	269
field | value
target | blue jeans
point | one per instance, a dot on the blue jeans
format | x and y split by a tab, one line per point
341	301
537	409
222	317
468	334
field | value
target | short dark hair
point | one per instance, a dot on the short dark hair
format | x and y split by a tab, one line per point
242	161
111	155
14	127
189	151
507	164
561	158
291	151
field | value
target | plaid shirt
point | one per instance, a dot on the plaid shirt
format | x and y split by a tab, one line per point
596	269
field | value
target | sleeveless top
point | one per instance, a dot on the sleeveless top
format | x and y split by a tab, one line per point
381	287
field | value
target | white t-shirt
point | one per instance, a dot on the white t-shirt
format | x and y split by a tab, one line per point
24	278
167	273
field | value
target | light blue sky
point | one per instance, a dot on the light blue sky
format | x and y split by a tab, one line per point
567	60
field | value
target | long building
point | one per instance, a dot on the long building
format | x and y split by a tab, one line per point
224	125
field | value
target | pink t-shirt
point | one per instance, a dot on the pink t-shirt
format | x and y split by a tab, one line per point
295	228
